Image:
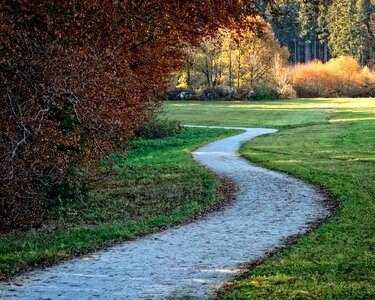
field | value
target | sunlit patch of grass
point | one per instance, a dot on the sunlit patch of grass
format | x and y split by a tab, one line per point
288	161
276	114
352	119
337	261
331	143
156	186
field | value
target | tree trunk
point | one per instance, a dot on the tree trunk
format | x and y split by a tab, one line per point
239	70
188	72
298	53
208	72
230	69
314	48
325	52
307	52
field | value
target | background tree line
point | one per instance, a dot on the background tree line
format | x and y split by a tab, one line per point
256	63
233	63
322	29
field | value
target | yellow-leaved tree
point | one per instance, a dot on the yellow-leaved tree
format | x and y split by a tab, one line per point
241	59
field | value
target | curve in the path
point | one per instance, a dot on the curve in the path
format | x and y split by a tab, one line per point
192	259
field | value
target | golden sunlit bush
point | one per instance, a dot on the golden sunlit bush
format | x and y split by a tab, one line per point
340	77
286	92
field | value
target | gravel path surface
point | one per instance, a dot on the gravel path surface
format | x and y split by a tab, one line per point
193	259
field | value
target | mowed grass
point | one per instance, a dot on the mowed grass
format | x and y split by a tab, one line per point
331	143
277	113
158	185
250	114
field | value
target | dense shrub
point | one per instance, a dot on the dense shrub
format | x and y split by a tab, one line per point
217	93
263	92
180	94
159	128
340	77
286	92
241	94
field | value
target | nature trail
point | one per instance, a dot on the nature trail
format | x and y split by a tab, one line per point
194	259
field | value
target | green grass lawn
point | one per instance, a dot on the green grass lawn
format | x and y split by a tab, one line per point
331	143
158	186
251	114
278	114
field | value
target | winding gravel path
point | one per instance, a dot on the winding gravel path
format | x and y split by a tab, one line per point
193	259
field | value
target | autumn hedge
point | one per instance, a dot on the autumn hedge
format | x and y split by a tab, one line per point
77	79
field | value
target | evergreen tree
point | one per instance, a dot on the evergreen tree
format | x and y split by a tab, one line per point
341	27
322	30
307	19
283	16
348	28
362	17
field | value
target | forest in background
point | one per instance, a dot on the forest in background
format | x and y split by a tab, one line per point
267	61
323	29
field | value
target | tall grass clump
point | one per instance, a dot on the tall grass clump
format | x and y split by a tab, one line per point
339	77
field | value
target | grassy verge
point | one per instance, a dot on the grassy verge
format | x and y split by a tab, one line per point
331	143
159	185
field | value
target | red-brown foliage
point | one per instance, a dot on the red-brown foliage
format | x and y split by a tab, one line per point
78	77
340	77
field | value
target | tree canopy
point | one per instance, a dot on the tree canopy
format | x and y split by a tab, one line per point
321	29
78	78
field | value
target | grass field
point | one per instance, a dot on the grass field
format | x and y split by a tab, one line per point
331	143
158	186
